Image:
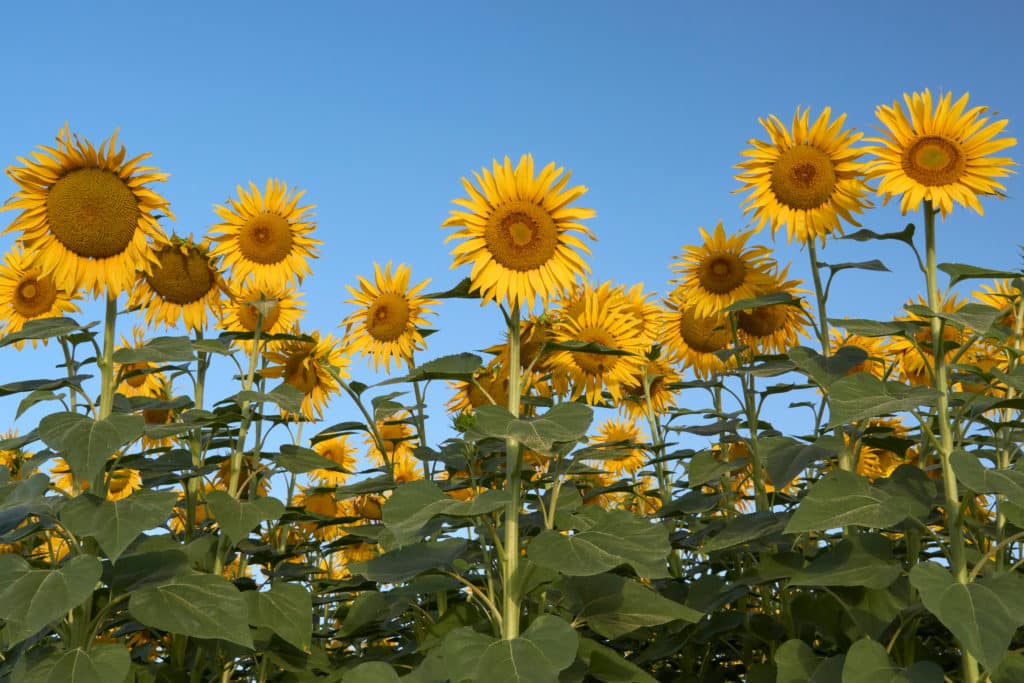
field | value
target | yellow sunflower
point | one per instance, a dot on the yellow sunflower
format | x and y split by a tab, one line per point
240	313
301	364
519	233
324	504
123	482
590	372
13	459
940	154
1001	295
390	311
26	293
806	178
876	462
265	237
159	416
693	340
339	451
406	468
777	328
876	362
625	434
661	376
182	285
137	379
721	271
87	213
489	387
248	474
915	365
398	436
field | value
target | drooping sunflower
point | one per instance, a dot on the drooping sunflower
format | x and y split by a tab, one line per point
265	237
940	154
301	364
27	293
182	285
805	178
341	452
692	339
519	232
123	482
776	328
140	378
86	213
390	312
625	435
915	362
610	327
398	436
721	271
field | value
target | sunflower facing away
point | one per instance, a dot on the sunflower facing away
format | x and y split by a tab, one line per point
915	361
301	364
390	311
806	178
183	284
265	236
26	293
519	232
86	213
721	271
940	154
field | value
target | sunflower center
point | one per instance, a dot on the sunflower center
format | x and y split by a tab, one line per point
179	278
136	381
761	322
803	177
92	212
705	335
249	315
34	296
300	373
934	160
721	272
266	238
595	363
521	235
386	320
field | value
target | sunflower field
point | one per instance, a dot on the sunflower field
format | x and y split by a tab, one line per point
717	482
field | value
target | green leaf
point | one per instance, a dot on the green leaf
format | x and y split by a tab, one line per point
115	524
874	328
603	540
823	370
868	662
562	423
609	666
873	264
858	560
614	605
137	570
744	528
1011	670
843	498
981	479
785	458
958	272
974	316
43	328
285	609
32	598
704	468
86	444
763	301
462	290
576	346
983	615
796	662
198	605
237	518
411	507
158	350
906	235
862	395
37	396
408	561
371	672
99	664
365	610
547	647
459	366
36	385
299	460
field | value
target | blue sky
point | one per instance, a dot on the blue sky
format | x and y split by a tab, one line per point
377	110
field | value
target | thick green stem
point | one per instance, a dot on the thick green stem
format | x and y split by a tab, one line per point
243	428
510	603
658	447
750	408
107	364
958	560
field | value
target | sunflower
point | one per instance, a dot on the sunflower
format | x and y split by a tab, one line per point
26	293
608	326
340	452
915	361
489	387
878	462
86	213
390	311
940	154
776	328
323	504
875	347
159	416
240	312
518	233
15	460
265	237
406	468
398	437
182	285
661	376
123	482
1000	295
806	178
721	271
257	476
137	379
693	339
63	478
301	364
621	436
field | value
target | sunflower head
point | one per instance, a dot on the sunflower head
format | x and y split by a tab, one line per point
776	328
915	355
660	376
26	293
123	482
339	451
86	213
940	152
182	285
694	339
520	233
139	378
265	236
804	178
623	436
301	364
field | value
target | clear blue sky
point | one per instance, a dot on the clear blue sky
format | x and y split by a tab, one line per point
377	110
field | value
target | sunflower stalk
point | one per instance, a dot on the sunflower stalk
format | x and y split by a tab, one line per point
658	446
510	604
1003	457
750	407
107	365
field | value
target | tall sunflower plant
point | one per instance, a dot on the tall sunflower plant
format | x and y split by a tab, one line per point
715	482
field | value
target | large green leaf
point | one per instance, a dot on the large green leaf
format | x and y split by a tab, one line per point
115	524
825	371
459	366
603	540
408	561
745	528
613	605
547	647
858	560
959	272
843	498
981	479
98	664
285	609
86	444
609	666
796	662
158	350
868	662
862	395
299	460
563	422
32	598
43	328
371	672
983	615
198	605
237	518
784	458
413	505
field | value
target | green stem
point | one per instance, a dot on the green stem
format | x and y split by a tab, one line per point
510	606
750	407
658	446
107	364
958	560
